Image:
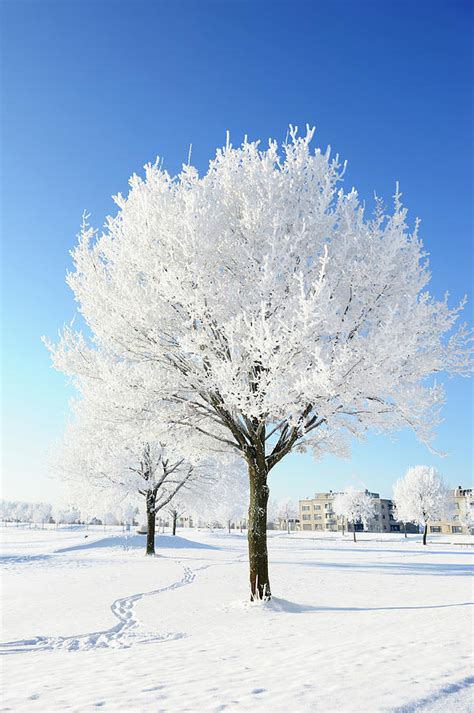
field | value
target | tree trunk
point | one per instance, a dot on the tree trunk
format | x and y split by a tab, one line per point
257	533
425	532
354	532
175	517
151	524
405	528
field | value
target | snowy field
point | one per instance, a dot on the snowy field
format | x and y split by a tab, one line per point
90	623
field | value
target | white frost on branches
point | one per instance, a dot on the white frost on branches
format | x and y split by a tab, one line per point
287	512
262	302
353	505
466	510
225	502
421	496
18	511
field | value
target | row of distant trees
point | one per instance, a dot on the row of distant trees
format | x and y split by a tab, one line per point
225	514
419	497
37	513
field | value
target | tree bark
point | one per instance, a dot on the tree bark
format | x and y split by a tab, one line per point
151	524
354	531
175	517
425	532
405	528
257	533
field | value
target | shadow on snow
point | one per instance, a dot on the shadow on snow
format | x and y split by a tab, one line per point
137	542
444	692
403	568
283	605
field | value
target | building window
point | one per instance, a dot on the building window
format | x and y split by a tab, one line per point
435	528
306	527
317	507
305	507
456	528
306	517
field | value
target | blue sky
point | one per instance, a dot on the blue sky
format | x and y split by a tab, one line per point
93	90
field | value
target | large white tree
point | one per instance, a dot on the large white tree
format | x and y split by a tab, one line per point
421	496
354	506
264	305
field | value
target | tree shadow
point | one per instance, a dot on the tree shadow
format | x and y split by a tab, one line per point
283	605
137	542
361	549
22	559
444	692
447	569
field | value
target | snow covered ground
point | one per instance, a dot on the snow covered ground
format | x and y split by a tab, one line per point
90	623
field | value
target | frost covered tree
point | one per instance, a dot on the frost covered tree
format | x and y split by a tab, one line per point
221	504
466	511
120	443
403	512
118	456
287	511
150	470
355	506
421	496
38	513
66	514
41	513
175	510
263	304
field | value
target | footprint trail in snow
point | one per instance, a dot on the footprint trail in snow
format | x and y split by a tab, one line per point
124	634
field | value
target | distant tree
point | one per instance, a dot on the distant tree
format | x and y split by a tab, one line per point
221	504
118	448
175	509
421	496
354	506
113	463
287	511
403	511
262	303
466	510
66	514
41	513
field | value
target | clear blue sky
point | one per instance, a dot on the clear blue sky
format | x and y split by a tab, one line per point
93	90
